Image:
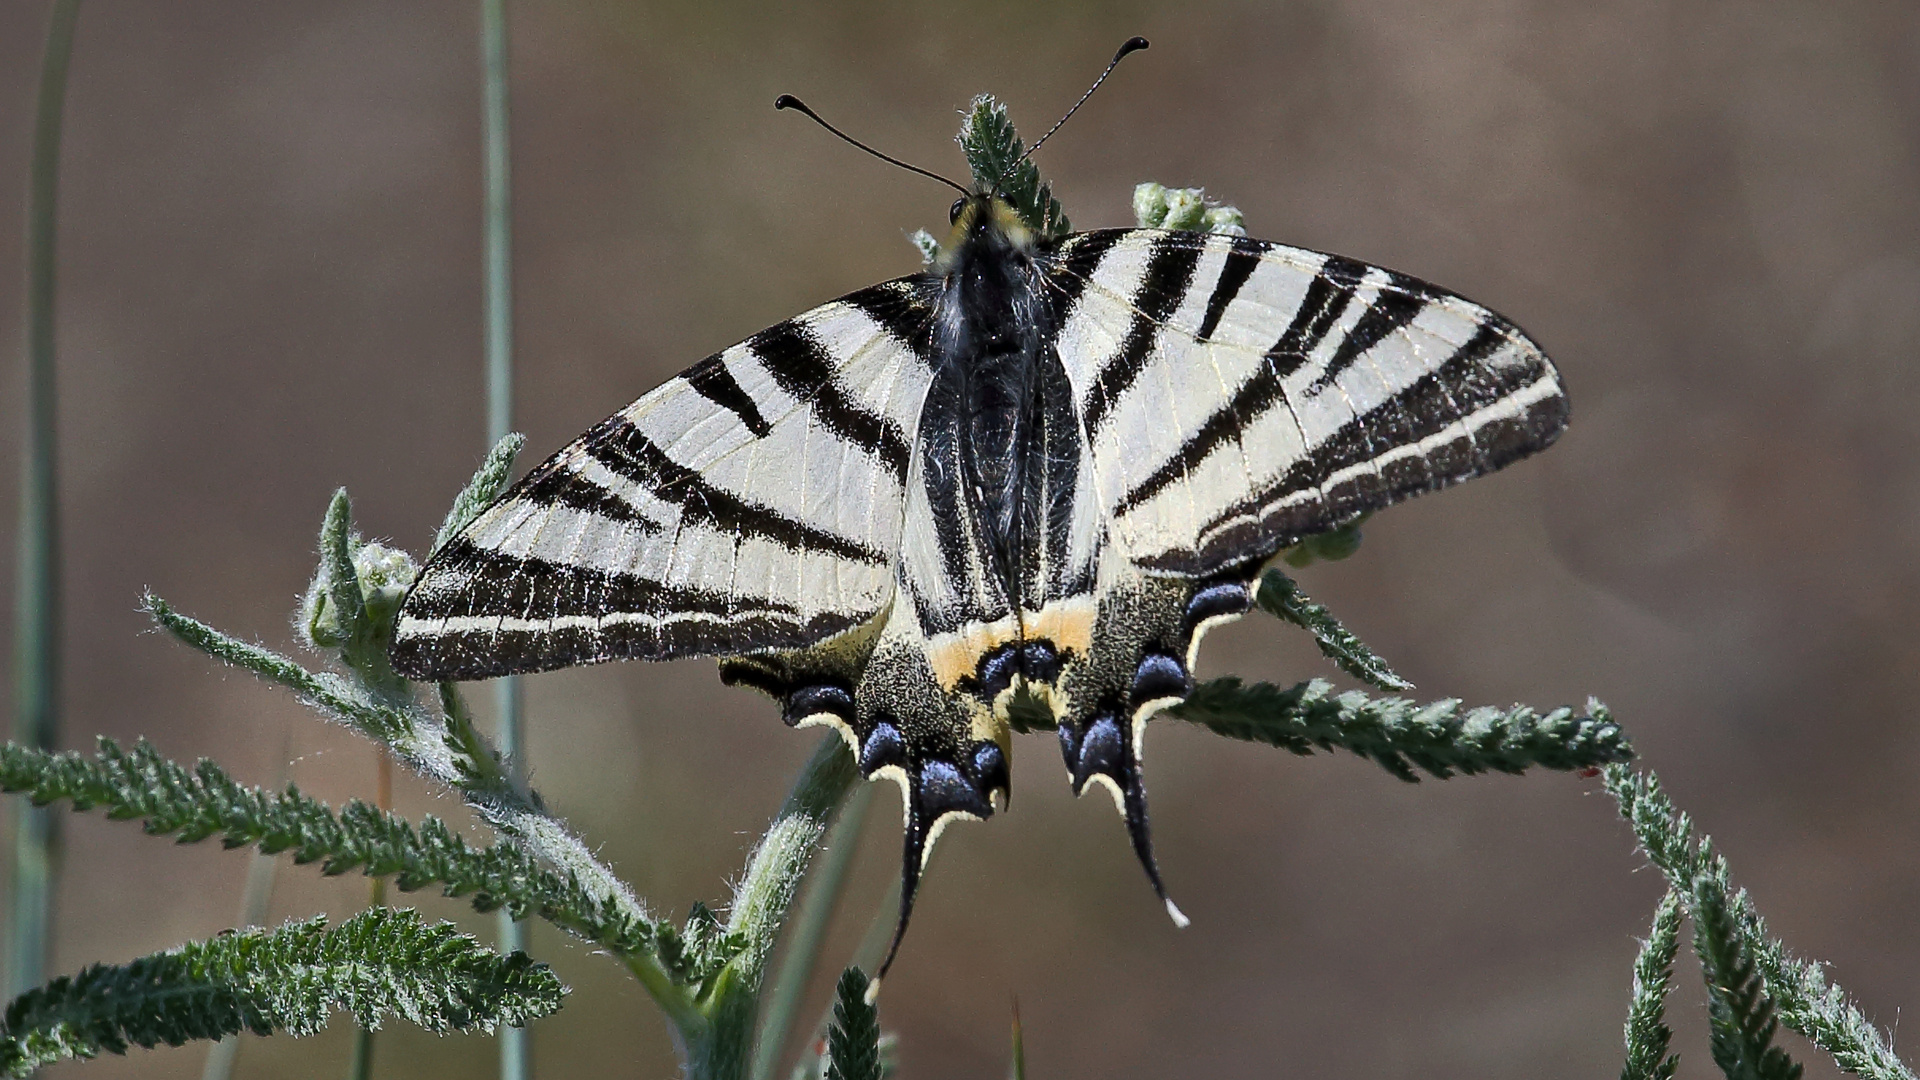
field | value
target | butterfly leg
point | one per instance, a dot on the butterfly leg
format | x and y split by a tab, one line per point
1140	660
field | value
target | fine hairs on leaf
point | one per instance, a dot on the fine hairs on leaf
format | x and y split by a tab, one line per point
706	976
382	962
1752	982
487	484
203	802
992	147
1279	595
1647	1034
1739	1013
1440	738
853	1042
382	706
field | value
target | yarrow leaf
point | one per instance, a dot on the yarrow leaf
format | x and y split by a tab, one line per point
1440	738
195	804
853	1043
992	149
1281	596
380	963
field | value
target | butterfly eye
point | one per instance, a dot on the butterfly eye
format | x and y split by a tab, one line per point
953	215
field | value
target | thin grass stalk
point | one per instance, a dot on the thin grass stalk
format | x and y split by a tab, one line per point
516	1051
255	896
822	899
360	1065
37	628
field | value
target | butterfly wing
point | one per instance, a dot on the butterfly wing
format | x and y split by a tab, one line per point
753	502
1239	395
1235	396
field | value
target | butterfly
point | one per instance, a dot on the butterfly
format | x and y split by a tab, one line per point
1014	489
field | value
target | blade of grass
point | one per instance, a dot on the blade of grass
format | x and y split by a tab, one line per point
254	898
516	1051
37	671
360	1066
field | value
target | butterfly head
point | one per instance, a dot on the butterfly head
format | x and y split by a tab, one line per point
984	225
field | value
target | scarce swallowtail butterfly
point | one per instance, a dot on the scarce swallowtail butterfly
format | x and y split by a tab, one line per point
1013	489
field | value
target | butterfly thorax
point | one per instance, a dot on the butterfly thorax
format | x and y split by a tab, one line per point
996	378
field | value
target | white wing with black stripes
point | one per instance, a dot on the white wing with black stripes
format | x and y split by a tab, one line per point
1039	471
1240	395
752	502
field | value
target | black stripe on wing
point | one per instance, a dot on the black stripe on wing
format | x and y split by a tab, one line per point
1163	286
803	367
536	615
1461	385
1242	261
711	380
1435	402
1391	309
624	448
1325	300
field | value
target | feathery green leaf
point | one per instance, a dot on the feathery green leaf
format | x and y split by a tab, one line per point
1279	595
335	575
1798	991
1648	1036
487	483
853	1043
380	963
992	148
1439	737
1740	1015
325	691
196	804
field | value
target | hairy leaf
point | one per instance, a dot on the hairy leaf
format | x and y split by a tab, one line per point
1279	595
853	1043
1440	738
380	963
1648	1036
1751	979
487	483
194	804
992	149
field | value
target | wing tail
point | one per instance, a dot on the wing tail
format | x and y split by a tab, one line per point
1139	661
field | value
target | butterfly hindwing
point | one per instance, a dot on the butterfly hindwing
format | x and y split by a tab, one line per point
752	502
1239	395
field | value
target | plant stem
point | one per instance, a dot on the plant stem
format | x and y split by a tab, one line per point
254	898
37	672
515	1050
809	929
361	1066
723	1048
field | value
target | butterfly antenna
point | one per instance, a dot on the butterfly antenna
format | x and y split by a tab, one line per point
1132	45
788	101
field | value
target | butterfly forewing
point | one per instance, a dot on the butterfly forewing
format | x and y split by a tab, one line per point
753	502
1239	395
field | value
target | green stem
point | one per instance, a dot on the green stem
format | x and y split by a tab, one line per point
516	1052
254	898
809	930
360	1066
722	1049
37	723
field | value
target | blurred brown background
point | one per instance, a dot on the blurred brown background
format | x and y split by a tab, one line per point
1708	213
